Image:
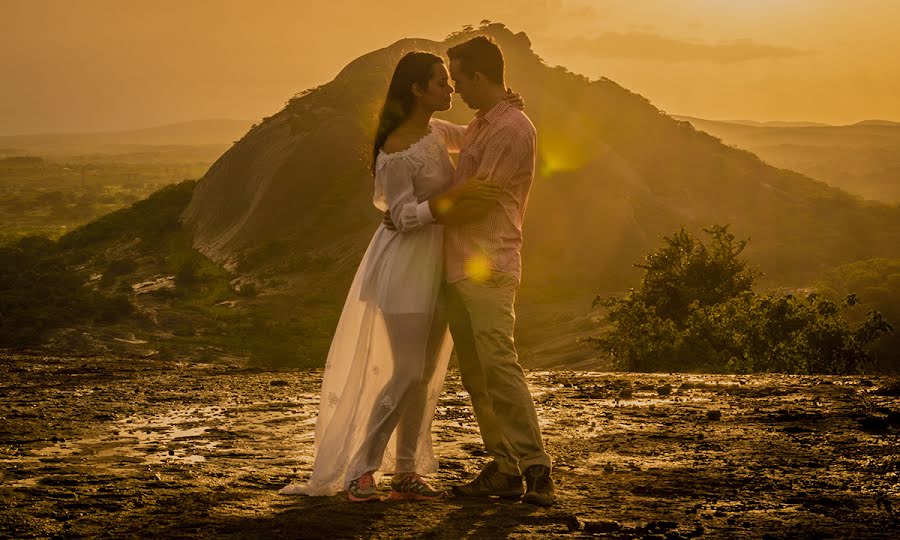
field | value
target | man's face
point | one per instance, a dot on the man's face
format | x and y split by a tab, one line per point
465	86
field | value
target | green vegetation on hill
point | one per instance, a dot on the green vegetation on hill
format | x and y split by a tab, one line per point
877	284
42	288
149	219
50	198
39	294
134	274
696	311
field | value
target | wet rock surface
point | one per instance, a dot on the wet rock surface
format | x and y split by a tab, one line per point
102	446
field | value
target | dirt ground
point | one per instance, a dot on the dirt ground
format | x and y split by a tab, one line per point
130	447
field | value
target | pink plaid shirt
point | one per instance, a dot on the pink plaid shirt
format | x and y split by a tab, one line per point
499	146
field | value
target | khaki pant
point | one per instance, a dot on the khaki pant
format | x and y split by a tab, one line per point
482	318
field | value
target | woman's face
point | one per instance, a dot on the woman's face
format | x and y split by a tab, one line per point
438	94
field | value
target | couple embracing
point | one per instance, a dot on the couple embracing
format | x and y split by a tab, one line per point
447	256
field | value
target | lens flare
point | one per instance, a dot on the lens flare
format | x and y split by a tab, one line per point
478	267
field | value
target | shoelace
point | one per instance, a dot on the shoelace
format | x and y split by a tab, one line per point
414	482
535	478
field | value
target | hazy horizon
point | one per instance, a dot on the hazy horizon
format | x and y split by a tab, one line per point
99	65
249	121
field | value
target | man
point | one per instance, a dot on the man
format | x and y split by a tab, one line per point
483	264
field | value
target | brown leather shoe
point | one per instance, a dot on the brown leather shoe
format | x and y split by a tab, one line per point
491	483
540	488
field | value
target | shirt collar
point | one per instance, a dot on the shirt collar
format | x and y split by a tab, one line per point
495	112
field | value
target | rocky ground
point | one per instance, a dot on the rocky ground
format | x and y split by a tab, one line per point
130	447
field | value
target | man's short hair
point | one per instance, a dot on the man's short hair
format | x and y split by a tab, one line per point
481	54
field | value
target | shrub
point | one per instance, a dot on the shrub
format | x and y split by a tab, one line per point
38	293
186	272
116	268
696	311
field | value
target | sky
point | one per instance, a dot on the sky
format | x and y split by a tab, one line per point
96	65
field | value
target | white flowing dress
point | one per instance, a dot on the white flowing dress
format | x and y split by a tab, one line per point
389	354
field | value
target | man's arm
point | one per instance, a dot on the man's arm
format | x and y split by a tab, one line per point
462	203
466	202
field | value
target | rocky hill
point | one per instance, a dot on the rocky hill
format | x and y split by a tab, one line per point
291	201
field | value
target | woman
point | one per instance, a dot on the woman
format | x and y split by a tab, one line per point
389	353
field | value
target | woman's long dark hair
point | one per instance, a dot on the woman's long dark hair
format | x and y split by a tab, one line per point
414	67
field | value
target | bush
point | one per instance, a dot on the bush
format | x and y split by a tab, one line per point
696	311
248	290
186	272
149	219
39	293
118	267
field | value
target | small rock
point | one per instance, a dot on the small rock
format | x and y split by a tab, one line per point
698	531
661	526
873	424
714	414
625	393
601	526
279	382
664	390
572	523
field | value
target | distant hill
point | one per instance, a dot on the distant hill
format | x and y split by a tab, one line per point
291	201
862	158
217	133
774	123
877	123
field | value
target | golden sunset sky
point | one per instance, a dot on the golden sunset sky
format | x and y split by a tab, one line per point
91	65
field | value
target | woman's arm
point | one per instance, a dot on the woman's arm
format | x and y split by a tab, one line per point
453	133
394	193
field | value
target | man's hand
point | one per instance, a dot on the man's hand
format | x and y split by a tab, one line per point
465	202
514	99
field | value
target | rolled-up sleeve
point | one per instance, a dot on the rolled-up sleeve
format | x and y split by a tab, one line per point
395	193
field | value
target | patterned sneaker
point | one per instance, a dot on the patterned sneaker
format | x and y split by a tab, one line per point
363	489
540	486
492	482
411	487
